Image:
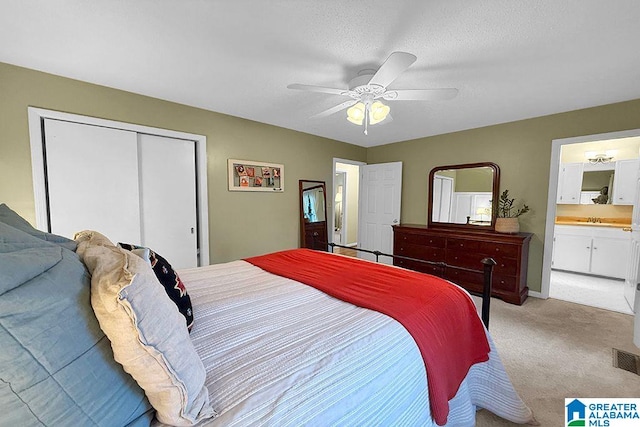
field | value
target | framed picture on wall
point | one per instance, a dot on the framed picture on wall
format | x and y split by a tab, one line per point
263	176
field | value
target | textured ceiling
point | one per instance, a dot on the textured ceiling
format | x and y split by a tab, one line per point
510	59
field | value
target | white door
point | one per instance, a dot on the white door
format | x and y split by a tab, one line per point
168	198
633	267
380	195
133	188
85	191
462	207
442	199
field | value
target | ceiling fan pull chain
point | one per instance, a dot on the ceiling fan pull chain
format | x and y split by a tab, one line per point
366	120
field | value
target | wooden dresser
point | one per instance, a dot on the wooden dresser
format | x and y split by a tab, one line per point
315	235
466	249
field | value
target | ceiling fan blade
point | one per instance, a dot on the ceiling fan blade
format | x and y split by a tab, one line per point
320	89
335	109
395	64
420	94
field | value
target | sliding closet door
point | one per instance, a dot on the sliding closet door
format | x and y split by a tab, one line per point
132	187
92	180
168	198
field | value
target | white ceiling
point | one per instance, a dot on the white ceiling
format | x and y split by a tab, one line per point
510	59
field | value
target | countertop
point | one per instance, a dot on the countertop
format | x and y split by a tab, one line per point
594	222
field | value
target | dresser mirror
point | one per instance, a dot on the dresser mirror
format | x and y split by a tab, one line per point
464	196
313	215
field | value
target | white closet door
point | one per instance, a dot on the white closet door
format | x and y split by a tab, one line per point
92	179
168	198
445	199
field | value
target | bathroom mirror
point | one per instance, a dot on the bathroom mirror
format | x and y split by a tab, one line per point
464	196
313	215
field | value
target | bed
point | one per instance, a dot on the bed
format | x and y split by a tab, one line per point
263	350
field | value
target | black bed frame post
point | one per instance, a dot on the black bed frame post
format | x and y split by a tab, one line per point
488	263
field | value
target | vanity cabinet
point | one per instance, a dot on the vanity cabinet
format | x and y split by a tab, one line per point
591	250
624	183
466	249
570	183
621	192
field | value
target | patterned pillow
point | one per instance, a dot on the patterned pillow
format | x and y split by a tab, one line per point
169	279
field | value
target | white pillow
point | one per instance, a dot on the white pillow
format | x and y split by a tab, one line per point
146	331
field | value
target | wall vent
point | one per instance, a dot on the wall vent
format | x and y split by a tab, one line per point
627	361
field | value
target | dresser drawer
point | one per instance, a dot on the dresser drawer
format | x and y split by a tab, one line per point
420	252
420	239
423	267
494	249
465	259
504	283
469	280
462	244
505	266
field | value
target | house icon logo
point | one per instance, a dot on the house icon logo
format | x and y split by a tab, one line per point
576	413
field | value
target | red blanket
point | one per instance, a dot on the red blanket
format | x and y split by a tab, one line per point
441	318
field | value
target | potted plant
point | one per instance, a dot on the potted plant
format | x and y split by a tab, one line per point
507	220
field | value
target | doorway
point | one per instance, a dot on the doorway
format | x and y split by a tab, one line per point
345	200
340	191
584	233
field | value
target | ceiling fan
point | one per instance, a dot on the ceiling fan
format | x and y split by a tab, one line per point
370	86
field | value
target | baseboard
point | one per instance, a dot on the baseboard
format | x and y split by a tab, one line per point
535	294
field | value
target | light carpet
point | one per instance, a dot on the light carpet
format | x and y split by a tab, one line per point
554	349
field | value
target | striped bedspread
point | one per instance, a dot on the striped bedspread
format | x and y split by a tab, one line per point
441	318
281	353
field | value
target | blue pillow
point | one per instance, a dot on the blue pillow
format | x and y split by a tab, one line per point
11	218
56	365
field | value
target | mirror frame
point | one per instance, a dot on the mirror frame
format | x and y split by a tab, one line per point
303	224
494	204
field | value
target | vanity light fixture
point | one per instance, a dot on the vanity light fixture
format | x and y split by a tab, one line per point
594	157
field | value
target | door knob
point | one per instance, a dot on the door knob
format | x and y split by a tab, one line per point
395	221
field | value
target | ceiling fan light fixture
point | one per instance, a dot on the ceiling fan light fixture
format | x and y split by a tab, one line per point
355	114
378	112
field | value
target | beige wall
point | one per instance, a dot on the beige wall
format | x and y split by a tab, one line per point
521	149
241	224
623	148
474	180
244	224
